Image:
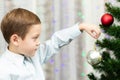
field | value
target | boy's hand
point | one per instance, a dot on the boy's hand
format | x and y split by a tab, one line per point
93	30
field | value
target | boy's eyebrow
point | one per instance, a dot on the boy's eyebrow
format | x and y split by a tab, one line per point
37	34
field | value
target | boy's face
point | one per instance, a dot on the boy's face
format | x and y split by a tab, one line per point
30	43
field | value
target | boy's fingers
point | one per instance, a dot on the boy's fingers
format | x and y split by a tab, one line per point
95	34
98	32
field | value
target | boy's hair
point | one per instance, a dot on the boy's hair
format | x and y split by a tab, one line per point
18	21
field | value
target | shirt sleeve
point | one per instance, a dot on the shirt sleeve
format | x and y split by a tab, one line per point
58	40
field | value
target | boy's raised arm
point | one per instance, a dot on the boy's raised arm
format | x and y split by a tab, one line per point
64	37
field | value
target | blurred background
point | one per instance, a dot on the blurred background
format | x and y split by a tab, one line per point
70	63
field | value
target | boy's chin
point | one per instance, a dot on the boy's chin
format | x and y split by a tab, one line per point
30	55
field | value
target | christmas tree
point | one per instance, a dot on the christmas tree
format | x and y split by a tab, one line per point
109	67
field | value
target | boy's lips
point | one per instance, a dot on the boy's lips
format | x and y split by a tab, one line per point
35	49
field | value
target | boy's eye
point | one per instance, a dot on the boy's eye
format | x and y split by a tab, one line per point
35	37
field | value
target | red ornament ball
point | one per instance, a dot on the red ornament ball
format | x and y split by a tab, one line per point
107	19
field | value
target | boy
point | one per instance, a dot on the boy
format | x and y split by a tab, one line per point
23	57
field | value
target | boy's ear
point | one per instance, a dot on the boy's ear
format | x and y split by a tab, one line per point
15	39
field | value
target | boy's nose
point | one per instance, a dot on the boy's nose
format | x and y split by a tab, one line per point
38	43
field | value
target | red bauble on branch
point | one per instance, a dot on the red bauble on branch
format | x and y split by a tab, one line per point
107	19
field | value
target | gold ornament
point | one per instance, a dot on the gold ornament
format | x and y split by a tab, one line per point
94	57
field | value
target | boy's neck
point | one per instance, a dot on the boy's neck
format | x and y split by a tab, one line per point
13	49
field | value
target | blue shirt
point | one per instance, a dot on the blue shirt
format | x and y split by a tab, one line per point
18	67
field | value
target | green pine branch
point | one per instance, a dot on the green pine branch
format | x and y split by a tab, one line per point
118	0
109	68
92	77
115	11
110	44
113	30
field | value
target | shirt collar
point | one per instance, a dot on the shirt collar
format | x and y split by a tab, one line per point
14	57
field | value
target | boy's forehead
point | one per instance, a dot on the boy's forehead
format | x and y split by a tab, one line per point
35	28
